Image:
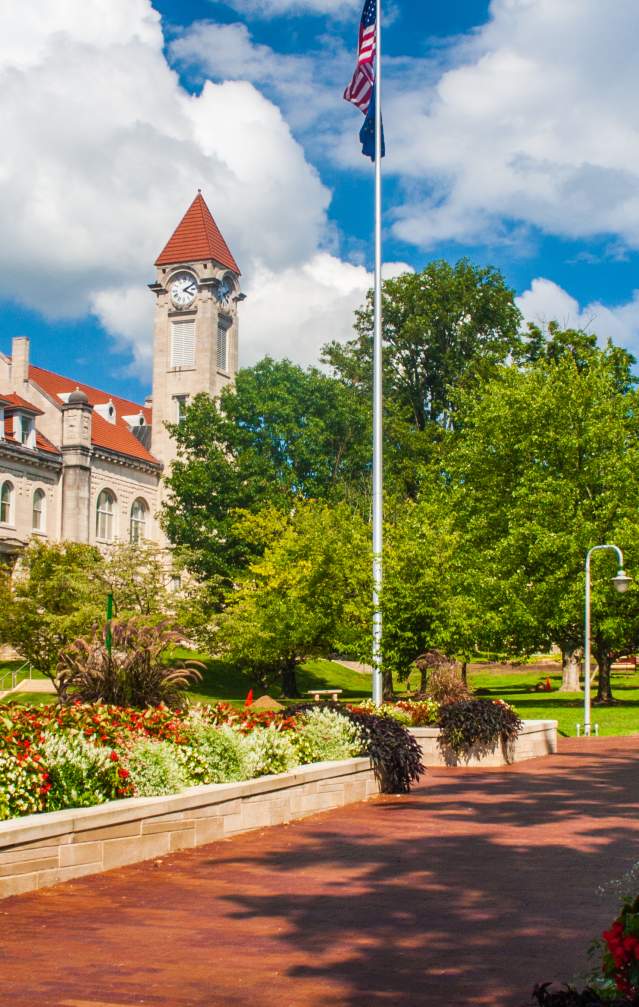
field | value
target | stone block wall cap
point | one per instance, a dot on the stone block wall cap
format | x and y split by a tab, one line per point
32	828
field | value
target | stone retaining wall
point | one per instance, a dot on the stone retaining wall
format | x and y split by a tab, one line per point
42	850
537	738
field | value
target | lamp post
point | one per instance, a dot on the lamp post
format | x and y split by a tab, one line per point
621	582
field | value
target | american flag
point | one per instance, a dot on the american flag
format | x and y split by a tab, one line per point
360	89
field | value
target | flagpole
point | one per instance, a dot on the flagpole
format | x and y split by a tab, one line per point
378	486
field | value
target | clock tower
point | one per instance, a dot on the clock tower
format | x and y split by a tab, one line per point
196	329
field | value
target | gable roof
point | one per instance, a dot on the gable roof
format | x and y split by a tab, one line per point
197	237
42	443
14	401
111	436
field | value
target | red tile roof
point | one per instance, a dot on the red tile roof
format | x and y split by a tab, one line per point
112	436
197	237
42	443
19	403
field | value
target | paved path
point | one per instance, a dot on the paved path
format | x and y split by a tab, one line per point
463	893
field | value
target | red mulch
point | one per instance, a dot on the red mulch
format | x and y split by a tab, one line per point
464	893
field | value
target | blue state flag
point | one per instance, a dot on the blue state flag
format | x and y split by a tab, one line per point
361	90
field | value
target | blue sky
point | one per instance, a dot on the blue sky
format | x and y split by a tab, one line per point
512	134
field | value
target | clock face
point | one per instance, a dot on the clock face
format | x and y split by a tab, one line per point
183	289
224	290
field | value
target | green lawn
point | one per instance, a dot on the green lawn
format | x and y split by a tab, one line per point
567	708
222	682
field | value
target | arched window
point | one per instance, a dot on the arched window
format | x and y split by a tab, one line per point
104	517
6	503
139	511
39	510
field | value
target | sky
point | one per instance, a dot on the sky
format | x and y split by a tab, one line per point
512	131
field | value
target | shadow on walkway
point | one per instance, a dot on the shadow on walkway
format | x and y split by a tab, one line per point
466	892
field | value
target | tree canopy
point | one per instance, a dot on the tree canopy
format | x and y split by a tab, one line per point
544	464
280	435
443	327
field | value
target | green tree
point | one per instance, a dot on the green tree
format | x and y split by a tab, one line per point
543	464
443	327
307	595
279	435
428	601
136	574
57	594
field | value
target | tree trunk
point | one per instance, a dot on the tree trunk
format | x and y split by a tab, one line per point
289	680
464	672
423	680
604	690
570	670
388	687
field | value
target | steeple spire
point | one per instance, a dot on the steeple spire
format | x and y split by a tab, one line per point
197	237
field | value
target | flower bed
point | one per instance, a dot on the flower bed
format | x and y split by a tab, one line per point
53	758
471	731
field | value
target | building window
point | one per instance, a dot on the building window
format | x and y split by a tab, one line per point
6	503
105	515
183	344
222	346
1	423
181	402
25	430
39	508
139	512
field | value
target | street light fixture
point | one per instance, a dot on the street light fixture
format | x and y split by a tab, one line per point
622	582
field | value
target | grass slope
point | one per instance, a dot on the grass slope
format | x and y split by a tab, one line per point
567	708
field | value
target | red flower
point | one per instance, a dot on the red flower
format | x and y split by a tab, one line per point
123	773
114	756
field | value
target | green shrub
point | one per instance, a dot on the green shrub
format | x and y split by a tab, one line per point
325	735
80	774
267	750
212	755
481	722
393	751
155	769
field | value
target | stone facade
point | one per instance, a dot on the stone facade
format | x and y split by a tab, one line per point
81	464
42	850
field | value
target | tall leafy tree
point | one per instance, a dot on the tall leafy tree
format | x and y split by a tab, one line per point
308	594
57	594
280	435
443	327
544	463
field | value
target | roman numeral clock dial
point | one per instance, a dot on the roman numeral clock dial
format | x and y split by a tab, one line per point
183	289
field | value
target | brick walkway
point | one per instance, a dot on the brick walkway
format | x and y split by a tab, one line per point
463	893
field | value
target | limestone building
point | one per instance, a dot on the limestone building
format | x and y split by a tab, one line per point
84	464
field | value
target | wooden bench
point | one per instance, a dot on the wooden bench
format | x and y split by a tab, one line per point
316	693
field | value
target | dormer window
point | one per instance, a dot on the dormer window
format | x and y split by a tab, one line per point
107	411
25	430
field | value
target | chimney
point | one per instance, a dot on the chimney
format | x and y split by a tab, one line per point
19	362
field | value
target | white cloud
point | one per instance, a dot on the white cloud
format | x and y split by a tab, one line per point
293	313
533	123
275	8
546	301
306	86
107	151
